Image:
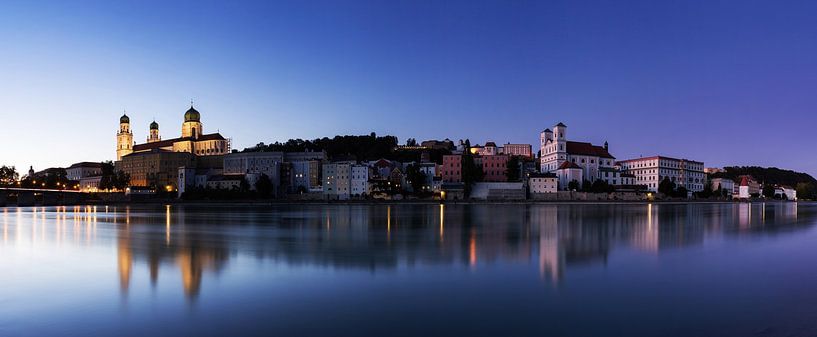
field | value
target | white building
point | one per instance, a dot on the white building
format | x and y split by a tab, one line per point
743	188
724	184
254	164
539	183
359	180
650	171
791	194
567	172
81	170
337	180
556	150
90	183
305	176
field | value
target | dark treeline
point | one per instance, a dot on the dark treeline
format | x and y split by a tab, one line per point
366	147
766	175
804	183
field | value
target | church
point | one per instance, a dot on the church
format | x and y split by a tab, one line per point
580	161
193	139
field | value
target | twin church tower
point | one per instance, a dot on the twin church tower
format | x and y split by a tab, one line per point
193	139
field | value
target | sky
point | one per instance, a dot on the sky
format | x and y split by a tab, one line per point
724	82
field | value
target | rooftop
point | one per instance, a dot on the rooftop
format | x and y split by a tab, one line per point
169	142
587	149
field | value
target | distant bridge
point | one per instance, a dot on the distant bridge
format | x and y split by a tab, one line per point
40	197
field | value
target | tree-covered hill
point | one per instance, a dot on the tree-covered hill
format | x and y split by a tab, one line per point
767	175
805	184
365	147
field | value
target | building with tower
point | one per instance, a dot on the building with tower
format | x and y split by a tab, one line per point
192	140
153	136
595	162
156	162
124	138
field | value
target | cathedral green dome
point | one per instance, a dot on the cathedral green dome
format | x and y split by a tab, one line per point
192	115
124	119
154	126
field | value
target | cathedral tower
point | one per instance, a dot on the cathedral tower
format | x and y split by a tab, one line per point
124	138
560	138
154	133
192	124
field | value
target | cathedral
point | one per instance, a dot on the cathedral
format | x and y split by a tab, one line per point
193	139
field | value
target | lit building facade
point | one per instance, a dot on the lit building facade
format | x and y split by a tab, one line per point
650	171
521	150
337	180
81	170
359	180
193	139
556	149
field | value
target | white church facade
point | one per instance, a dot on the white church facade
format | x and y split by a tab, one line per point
580	161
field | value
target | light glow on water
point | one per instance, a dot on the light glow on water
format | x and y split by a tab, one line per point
78	271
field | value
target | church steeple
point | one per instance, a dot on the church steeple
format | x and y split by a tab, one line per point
192	123
154	133
124	137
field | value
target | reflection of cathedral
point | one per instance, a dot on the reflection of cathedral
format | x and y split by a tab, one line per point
191	254
193	139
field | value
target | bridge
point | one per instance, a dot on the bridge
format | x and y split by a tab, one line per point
40	197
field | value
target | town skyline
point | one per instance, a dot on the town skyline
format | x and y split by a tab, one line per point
673	81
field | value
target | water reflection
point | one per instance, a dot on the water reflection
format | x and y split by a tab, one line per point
197	241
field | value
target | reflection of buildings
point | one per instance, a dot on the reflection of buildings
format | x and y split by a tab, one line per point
375	237
190	251
195	242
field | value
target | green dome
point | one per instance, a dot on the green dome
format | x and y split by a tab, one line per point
154	126
124	119
192	115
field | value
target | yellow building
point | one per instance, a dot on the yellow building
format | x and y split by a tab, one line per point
156	162
193	139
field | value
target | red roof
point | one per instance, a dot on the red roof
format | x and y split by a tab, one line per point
744	181
587	149
383	163
569	165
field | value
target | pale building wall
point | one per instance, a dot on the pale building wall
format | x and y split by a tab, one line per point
540	185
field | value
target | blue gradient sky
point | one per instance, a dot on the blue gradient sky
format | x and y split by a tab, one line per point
726	82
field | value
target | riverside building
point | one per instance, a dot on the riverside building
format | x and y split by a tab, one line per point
650	171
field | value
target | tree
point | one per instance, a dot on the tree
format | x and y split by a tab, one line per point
122	180
244	185
601	186
573	185
471	173
8	175
666	187
416	178
768	191
264	185
108	179
707	191
587	186
682	192
512	171
805	190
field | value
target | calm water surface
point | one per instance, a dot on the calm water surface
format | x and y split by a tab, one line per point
410	270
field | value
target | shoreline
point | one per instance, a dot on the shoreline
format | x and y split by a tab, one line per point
404	202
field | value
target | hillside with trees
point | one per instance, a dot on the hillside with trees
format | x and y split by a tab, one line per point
365	147
805	184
